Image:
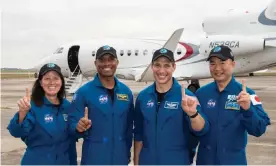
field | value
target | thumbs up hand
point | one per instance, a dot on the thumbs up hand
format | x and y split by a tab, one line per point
84	123
244	98
188	103
24	104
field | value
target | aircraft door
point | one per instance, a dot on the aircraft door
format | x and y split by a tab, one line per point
73	61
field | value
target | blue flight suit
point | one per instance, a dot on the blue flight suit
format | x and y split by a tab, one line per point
193	141
109	139
45	131
225	143
165	134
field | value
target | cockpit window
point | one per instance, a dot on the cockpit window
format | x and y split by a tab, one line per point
59	50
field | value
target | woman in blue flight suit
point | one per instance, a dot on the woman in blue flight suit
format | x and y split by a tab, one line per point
41	121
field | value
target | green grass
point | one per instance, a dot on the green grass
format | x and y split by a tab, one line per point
10	75
5	108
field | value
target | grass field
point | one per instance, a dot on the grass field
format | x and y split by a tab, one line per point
10	75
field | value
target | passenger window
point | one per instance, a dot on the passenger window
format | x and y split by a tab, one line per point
93	53
128	52
178	51
145	52
121	52
136	52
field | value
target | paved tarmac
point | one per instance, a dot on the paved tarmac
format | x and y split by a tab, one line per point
260	151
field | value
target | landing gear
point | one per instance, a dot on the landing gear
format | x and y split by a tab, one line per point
194	86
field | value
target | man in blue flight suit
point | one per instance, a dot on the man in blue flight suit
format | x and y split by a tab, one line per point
165	115
233	111
107	128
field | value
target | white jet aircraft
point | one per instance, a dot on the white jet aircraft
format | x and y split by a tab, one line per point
251	36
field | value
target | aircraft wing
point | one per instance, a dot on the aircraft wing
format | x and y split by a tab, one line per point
171	44
180	75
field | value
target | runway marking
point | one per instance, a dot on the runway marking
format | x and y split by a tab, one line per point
263	144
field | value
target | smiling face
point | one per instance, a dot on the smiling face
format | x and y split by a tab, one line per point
221	70
163	70
106	65
51	83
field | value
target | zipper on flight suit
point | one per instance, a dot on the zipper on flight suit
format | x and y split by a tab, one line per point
156	123
112	122
112	150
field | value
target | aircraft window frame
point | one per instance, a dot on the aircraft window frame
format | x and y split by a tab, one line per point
122	52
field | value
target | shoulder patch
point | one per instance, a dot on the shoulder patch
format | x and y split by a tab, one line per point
255	99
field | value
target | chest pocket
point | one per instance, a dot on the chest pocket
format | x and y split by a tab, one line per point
170	117
97	109
231	111
148	109
166	113
122	106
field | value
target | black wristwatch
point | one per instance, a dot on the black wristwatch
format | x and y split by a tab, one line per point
195	115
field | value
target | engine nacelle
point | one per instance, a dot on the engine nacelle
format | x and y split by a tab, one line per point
239	45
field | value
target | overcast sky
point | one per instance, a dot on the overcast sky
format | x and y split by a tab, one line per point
32	29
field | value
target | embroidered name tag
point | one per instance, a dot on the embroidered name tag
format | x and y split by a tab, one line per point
122	97
171	105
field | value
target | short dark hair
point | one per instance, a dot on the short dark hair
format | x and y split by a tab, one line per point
38	93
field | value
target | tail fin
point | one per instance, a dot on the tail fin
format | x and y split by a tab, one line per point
270	11
171	44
